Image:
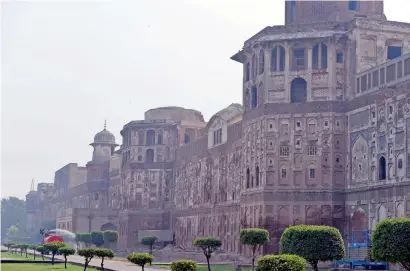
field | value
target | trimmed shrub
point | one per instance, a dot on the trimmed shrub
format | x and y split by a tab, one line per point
88	254
184	265
391	241
24	248
208	246
66	251
97	238
150	242
34	248
41	250
110	237
53	247
313	243
254	238
103	253
140	259
284	262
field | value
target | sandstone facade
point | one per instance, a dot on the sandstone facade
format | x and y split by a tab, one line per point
322	137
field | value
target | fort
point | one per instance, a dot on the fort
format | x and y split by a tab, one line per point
322	137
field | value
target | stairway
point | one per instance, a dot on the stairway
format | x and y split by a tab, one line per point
359	253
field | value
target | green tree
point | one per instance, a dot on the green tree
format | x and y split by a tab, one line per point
24	248
86	239
97	238
34	248
140	259
150	242
254	238
42	251
66	251
13	212
184	265
281	262
88	254
313	243
53	247
208	245
391	241
9	245
12	232
110	237
103	253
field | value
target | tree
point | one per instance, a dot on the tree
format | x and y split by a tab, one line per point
24	248
53	247
34	248
9	245
313	243
42	251
97	238
254	238
103	253
391	241
150	242
13	212
86	239
110	237
208	246
140	259
184	265
66	251
88	254
281	262
12	232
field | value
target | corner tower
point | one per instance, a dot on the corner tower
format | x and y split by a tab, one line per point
301	12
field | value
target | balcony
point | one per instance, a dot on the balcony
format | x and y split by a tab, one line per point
383	76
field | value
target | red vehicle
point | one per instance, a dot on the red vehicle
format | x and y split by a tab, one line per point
51	236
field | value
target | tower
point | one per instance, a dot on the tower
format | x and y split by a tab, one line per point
104	145
301	12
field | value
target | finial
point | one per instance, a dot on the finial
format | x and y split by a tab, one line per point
32	185
105	124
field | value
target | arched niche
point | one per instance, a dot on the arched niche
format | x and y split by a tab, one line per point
298	90
108	227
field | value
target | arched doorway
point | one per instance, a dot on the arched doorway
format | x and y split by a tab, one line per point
150	137
359	224
298	90
108	227
149	156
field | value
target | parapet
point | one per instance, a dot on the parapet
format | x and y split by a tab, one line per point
174	113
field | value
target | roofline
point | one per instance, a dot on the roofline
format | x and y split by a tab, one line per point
238	57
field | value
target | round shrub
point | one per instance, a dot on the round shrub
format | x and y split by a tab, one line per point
313	243
391	241
283	262
184	265
140	259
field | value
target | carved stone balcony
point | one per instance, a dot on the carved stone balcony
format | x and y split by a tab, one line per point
383	76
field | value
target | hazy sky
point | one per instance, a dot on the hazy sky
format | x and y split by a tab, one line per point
69	65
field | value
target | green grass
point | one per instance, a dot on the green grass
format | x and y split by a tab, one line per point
40	267
9	255
214	267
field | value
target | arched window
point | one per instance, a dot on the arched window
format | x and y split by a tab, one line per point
298	90
150	137
277	62
149	156
382	168
186	138
257	175
261	61
159	138
353	5
254	97
254	66
319	56
400	163
248	178
141	138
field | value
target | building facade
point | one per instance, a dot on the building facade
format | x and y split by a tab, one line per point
322	137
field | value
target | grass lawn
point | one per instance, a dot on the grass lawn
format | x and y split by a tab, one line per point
214	267
9	255
40	267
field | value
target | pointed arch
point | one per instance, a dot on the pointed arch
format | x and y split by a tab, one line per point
298	90
359	220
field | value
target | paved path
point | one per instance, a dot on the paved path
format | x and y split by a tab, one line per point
109	264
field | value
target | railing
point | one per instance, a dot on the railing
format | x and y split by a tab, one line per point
383	76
